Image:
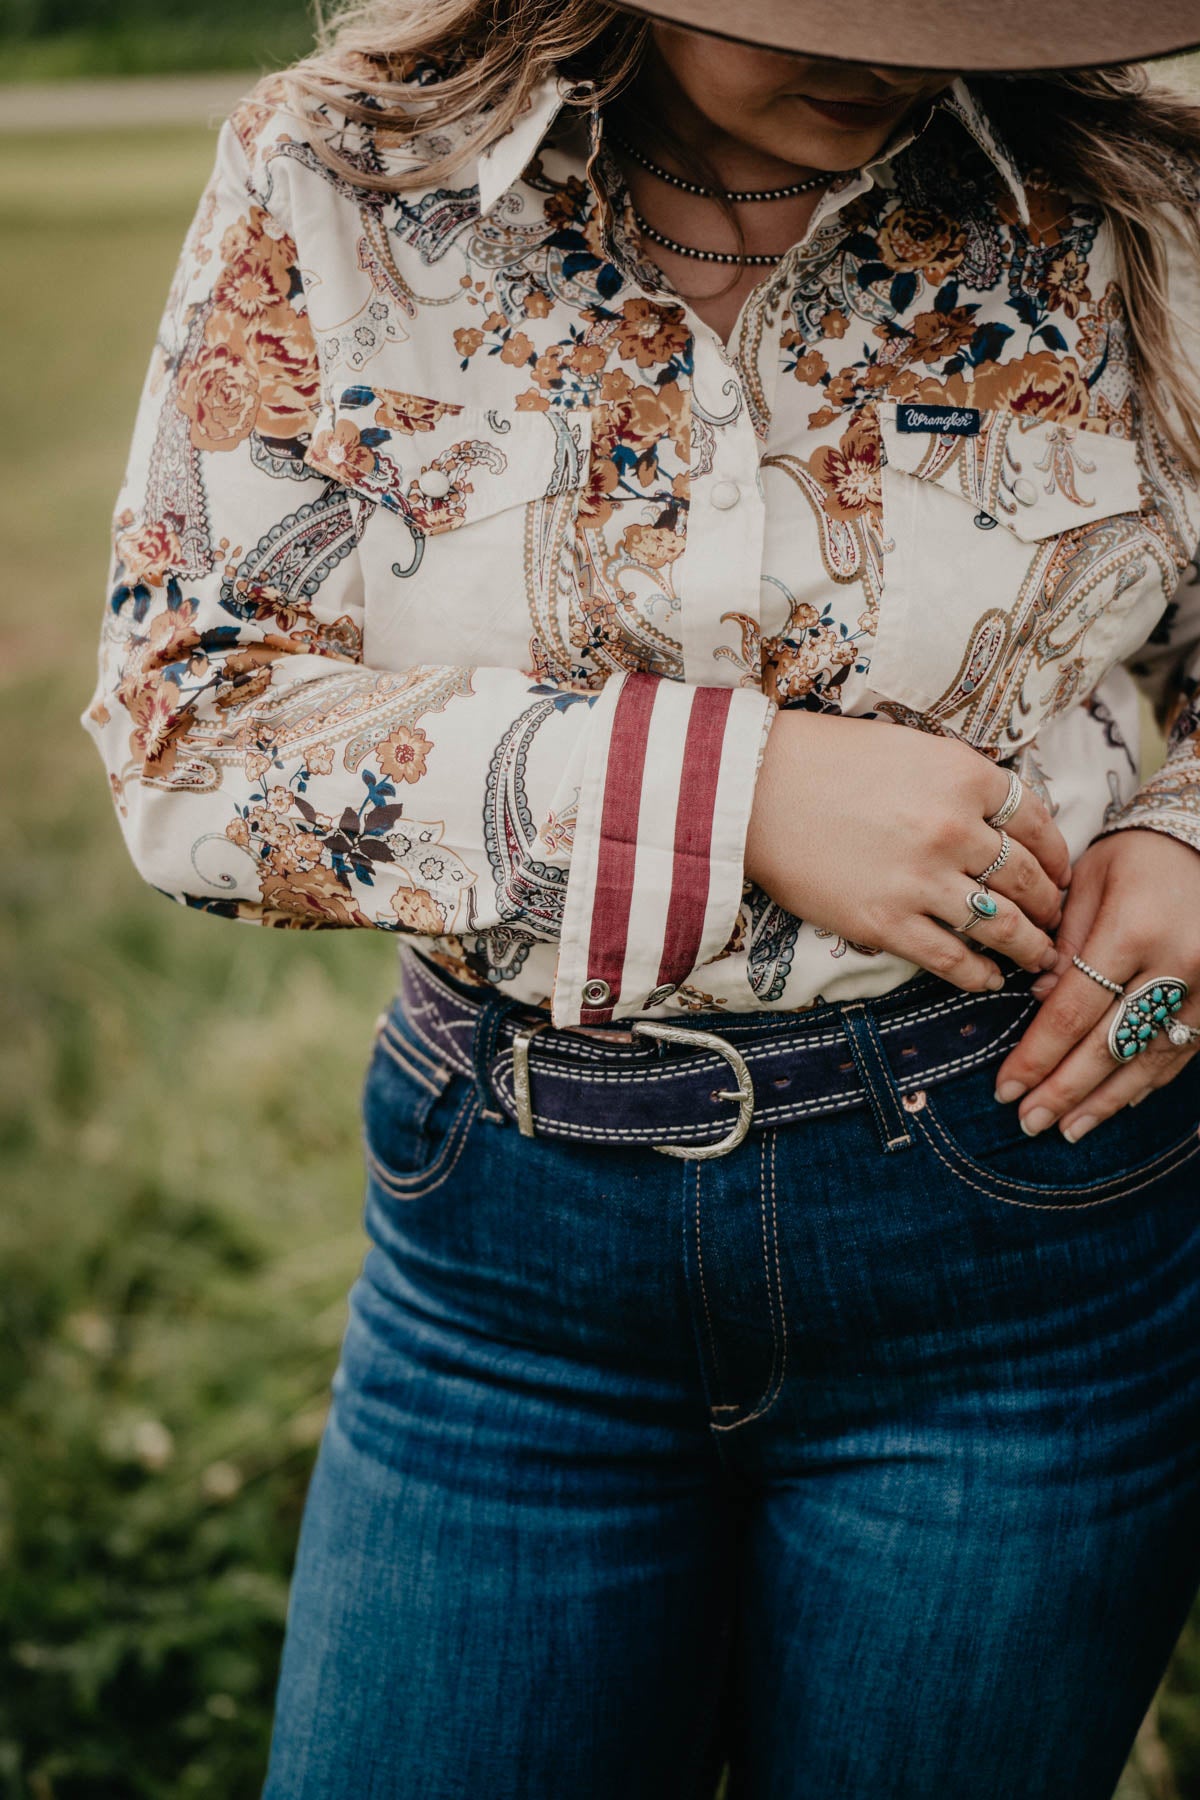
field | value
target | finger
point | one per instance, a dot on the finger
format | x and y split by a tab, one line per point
1033	826
1063	1021
1009	931
1079	916
928	944
1089	1085
1022	879
1124	1087
1072	1010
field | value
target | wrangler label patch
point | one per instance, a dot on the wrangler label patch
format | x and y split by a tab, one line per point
953	421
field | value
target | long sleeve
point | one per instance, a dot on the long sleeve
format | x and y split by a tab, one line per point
262	771
1167	669
1167	666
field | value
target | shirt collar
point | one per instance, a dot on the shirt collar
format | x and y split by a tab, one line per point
501	164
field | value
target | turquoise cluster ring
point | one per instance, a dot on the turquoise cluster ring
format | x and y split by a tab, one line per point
1144	1012
982	906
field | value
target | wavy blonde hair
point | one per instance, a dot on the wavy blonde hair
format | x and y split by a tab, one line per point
1114	136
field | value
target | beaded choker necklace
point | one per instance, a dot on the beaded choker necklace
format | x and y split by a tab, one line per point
692	187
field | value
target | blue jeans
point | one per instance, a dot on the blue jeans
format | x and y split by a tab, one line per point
875	1475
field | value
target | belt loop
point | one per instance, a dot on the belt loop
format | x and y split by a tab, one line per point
876	1076
493	1010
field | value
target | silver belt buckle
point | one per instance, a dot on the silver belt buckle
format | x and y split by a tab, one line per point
671	1034
743	1093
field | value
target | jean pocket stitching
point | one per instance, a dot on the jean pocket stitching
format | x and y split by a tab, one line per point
432	1076
422	1181
432	1067
1113	1187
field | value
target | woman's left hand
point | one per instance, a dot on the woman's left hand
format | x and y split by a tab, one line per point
1133	913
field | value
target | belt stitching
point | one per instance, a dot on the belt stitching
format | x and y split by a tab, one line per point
685	1071
448	1048
581	1050
779	1109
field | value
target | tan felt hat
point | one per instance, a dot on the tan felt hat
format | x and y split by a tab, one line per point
962	35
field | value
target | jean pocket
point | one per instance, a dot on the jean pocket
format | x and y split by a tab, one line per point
415	1110
982	1145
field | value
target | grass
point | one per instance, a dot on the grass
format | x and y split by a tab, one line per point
158	49
179	1147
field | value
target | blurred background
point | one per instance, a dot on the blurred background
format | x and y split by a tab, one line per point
179	1127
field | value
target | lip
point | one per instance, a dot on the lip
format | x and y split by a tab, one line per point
850	112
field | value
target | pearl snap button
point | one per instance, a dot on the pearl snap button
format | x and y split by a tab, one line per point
434	483
725	494
597	993
1024	491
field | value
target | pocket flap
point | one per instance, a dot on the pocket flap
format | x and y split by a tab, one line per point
1037	476
441	464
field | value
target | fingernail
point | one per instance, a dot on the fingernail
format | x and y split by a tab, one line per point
1077	1128
1045	984
1009	1090
995	981
1036	1121
1049	957
1141	1097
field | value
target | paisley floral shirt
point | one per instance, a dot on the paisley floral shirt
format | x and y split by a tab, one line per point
458	568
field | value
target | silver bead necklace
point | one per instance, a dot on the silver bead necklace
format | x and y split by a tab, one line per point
713	256
706	193
756	261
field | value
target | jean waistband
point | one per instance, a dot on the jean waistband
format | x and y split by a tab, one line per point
695	1089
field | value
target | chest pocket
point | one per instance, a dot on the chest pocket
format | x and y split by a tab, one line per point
1019	566
464	517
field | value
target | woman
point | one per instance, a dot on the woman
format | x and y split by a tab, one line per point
670	526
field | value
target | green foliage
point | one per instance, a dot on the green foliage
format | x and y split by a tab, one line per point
155	50
43	18
44	40
179	1150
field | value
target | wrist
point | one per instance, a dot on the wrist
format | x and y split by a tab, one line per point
776	791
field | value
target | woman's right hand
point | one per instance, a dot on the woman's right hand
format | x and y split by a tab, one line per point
877	832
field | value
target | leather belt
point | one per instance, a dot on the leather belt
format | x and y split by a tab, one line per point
695	1092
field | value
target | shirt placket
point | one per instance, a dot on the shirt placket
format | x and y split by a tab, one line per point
720	580
719	576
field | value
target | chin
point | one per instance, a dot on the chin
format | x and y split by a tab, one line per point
827	143
834	151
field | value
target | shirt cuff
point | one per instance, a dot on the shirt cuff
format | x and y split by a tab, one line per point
1172	807
657	867
1170	800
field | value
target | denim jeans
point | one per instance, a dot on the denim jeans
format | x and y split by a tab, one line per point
876	1476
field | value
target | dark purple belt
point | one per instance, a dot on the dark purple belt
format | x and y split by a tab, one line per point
696	1090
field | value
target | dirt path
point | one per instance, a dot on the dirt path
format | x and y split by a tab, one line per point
121	100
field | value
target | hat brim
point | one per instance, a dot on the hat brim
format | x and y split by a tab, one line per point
959	36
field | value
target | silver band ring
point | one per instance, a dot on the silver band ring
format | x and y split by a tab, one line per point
1143	1012
982	907
998	861
1114	987
1011	801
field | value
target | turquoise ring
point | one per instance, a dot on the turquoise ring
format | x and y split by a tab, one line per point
982	906
1143	1013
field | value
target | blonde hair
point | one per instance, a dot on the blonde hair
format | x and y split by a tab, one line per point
1121	141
